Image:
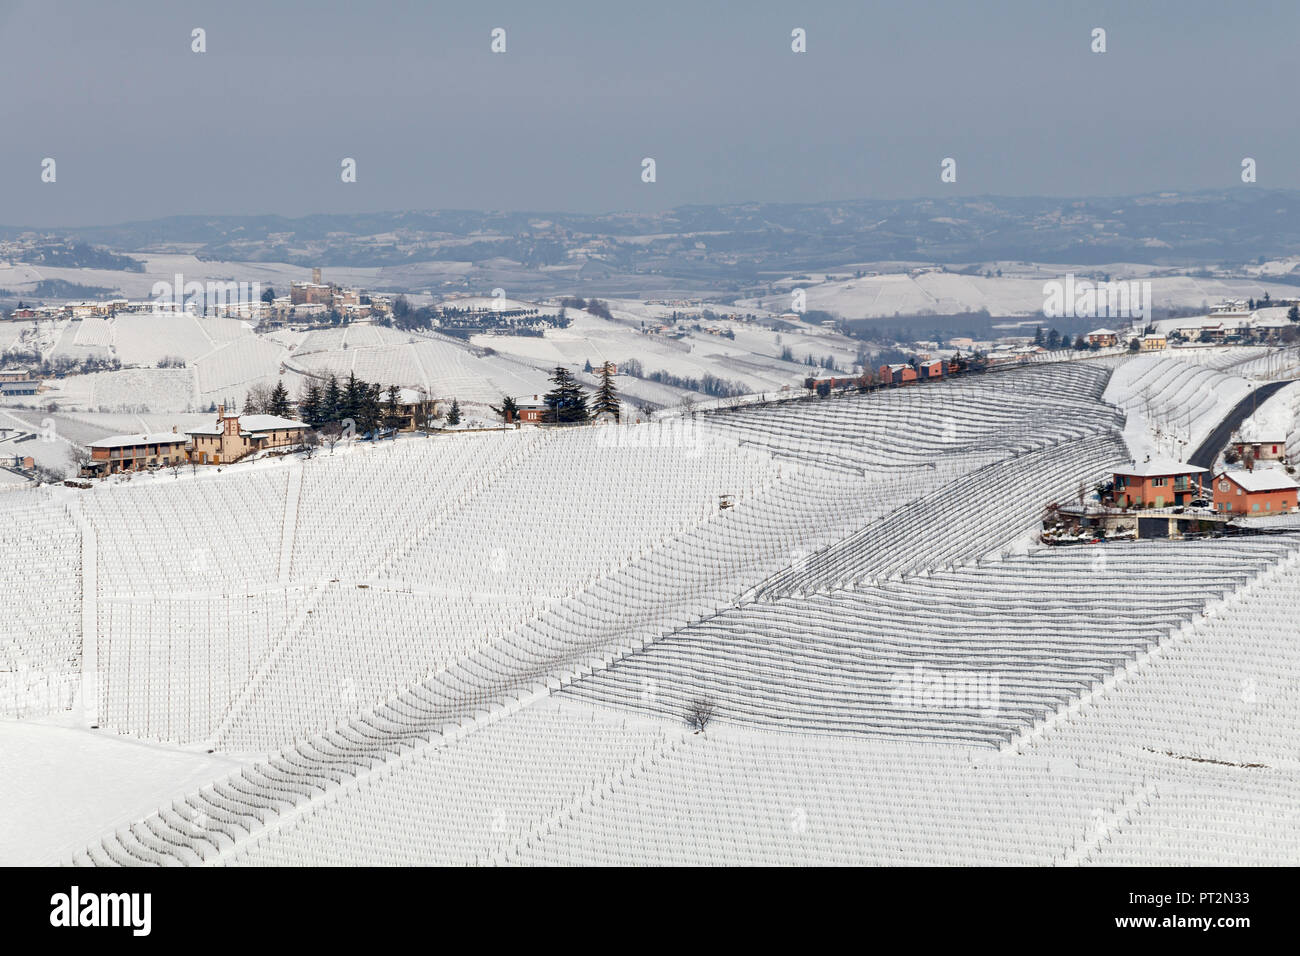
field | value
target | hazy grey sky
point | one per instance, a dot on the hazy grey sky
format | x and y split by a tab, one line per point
142	127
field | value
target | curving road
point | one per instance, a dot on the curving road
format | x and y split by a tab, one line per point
1209	449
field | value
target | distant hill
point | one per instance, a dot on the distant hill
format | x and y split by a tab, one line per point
738	245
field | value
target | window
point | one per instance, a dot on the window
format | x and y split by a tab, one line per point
1159	482
1255	506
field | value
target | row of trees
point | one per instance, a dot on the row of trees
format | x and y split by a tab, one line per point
567	403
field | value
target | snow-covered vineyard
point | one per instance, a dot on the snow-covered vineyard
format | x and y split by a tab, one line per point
489	647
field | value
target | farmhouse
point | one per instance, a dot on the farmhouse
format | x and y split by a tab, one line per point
232	437
1154	342
1157	484
1261	446
1266	491
934	368
898	374
531	411
118	453
1103	337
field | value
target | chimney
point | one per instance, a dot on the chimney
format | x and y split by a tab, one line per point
221	411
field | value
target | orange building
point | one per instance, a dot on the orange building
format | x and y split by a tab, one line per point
897	374
935	368
1158	484
1268	491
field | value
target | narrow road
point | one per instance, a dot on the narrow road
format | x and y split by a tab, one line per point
1209	449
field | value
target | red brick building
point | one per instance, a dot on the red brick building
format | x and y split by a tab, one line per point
530	411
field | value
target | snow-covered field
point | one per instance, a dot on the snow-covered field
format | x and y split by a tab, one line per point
944	293
483	647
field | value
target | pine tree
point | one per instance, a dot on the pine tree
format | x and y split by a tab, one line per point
279	401
331	409
393	409
606	399
566	402
309	404
354	397
453	415
369	411
509	409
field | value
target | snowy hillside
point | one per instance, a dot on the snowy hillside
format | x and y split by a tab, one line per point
490	654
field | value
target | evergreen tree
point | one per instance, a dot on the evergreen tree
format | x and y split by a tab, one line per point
453	415
369	409
309	404
331	409
566	402
393	408
1038	335
509	410
278	404
354	397
587	367
606	399
1293	314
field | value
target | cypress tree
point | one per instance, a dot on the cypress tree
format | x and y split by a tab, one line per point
453	416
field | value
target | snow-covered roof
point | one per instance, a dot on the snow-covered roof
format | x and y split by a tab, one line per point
126	441
1158	468
1264	479
267	423
1261	433
248	424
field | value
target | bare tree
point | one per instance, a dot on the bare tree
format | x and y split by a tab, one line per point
310	444
46	476
258	400
699	713
331	434
81	458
